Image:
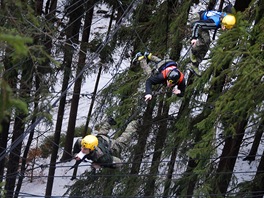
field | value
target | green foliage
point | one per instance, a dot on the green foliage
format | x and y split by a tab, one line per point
47	145
2	191
78	132
106	52
120	98
8	102
17	42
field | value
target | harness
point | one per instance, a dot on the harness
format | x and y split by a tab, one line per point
104	145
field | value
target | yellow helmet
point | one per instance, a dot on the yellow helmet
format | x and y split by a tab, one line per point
89	142
229	21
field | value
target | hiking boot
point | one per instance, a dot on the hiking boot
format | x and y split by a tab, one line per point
138	57
194	70
192	57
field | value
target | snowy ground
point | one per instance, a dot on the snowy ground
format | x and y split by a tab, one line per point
37	187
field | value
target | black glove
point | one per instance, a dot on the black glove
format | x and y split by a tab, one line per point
111	121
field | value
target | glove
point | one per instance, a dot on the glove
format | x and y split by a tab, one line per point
148	97
80	155
111	121
147	55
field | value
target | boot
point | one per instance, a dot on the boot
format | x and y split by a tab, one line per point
194	70
138	57
192	57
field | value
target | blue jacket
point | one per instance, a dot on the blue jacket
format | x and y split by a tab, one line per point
209	20
216	16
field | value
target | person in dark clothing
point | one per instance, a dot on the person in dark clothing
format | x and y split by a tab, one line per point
200	40
101	149
166	73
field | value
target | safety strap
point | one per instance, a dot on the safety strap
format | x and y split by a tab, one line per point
168	64
105	145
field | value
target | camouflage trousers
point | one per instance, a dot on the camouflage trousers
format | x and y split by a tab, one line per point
118	144
201	47
152	69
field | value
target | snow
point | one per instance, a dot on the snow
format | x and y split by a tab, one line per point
62	179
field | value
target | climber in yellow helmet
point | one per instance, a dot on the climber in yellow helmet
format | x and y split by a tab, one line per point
102	150
200	40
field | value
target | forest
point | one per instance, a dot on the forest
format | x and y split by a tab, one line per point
190	146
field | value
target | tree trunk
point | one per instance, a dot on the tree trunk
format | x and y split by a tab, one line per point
24	161
50	19
3	142
228	159
30	138
93	101
78	82
72	32
211	4
171	164
257	139
187	184
144	131
258	181
19	126
241	5
159	144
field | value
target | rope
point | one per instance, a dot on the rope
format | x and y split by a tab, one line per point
90	62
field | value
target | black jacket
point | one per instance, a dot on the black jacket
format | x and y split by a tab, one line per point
159	79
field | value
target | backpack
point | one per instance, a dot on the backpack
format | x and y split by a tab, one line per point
104	145
167	64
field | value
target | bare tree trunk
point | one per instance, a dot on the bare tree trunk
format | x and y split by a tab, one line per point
92	102
19	126
72	33
78	83
171	165
50	19
98	78
3	143
24	160
11	78
228	158
258	181
145	129
257	139
159	144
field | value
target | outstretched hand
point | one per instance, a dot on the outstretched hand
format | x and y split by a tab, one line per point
176	91
80	155
148	97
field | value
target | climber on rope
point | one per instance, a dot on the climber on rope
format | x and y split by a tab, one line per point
200	40
101	149
165	72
